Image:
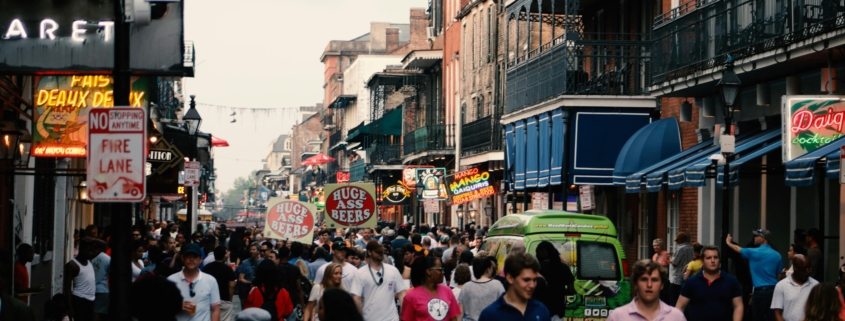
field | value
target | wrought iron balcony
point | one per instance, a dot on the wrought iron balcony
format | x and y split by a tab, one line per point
331	172
384	154
595	64
188	58
433	137
335	138
701	34
357	170
480	136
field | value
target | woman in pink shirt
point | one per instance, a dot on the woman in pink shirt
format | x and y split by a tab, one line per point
661	256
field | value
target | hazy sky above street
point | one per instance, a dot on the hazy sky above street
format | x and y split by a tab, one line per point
266	54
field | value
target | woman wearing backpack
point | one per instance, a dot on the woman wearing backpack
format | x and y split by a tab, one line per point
268	294
333	282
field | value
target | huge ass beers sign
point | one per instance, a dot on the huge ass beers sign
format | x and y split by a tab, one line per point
351	205
289	220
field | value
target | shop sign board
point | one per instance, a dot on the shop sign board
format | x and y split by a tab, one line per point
192	173
469	185
431	205
342	177
349	205
588	200
539	201
810	122
409	176
290	220
116	154
396	195
60	114
70	36
163	156
431	180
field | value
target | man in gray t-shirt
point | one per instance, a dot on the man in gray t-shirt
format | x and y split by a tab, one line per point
678	261
476	295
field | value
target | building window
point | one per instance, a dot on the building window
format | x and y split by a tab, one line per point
479	107
287	144
644	244
673	214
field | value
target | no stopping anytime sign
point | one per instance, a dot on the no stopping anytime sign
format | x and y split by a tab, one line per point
351	205
116	154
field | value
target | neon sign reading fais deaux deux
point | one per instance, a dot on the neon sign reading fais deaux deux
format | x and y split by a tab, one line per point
810	122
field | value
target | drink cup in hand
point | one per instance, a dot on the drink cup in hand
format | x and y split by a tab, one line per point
189	306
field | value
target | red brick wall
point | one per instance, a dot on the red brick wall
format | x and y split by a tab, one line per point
671	107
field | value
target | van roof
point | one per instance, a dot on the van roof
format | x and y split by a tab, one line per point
552	221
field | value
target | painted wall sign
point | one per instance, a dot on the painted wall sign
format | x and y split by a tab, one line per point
431	180
342	177
409	176
289	220
469	185
38	36
395	195
61	102
117	154
810	122
350	205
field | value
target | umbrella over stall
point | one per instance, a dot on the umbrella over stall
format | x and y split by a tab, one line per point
318	160
218	142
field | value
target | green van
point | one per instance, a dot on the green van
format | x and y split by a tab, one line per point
587	243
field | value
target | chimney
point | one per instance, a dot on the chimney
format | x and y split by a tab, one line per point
392	39
419	24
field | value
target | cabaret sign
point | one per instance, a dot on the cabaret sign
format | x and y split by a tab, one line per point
810	122
289	220
469	185
350	205
48	28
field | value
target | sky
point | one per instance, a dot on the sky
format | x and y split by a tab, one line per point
265	55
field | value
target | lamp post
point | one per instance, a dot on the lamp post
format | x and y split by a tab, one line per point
192	122
460	212
488	212
728	88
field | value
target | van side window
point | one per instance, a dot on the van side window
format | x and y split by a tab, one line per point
597	261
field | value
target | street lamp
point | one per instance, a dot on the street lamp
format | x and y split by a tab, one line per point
488	211
24	145
192	121
10	135
460	212
728	88
82	192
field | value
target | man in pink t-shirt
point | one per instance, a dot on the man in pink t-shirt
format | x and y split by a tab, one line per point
433	301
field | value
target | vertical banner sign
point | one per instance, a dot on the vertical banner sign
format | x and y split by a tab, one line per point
192	173
810	122
289	220
116	154
351	205
588	200
431	181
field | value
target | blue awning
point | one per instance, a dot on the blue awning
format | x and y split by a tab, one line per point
510	153
802	170
597	139
557	148
694	175
531	159
649	145
742	159
833	165
545	151
635	181
519	160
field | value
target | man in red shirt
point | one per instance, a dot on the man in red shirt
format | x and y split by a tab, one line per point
25	255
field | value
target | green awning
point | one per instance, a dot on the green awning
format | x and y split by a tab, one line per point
388	125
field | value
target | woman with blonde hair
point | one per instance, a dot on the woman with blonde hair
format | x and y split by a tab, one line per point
823	304
332	280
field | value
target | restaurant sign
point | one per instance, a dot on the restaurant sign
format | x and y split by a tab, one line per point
396	195
810	122
61	105
431	182
469	185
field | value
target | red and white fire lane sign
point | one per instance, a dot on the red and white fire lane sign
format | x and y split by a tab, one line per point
116	154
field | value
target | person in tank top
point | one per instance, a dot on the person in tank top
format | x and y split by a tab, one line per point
79	281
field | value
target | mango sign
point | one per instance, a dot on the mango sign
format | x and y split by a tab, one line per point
351	205
289	220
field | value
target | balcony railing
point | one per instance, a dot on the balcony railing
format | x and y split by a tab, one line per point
433	137
701	35
331	172
480	136
596	64
357	170
334	138
384	154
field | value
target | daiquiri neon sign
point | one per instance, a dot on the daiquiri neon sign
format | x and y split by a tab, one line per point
470	185
811	122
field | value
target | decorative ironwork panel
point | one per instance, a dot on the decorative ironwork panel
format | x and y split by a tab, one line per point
480	136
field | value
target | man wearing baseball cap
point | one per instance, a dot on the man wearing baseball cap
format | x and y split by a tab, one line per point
339	257
377	285
199	290
765	264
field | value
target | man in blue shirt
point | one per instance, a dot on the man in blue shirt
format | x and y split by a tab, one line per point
711	294
522	270
766	264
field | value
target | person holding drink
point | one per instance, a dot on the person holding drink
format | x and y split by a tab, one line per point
200	293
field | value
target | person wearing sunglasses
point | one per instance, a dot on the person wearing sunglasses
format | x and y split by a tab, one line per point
766	270
199	290
433	300
376	286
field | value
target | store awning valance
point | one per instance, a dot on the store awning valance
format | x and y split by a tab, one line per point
694	175
832	165
736	164
802	170
357	134
635	181
654	142
519	160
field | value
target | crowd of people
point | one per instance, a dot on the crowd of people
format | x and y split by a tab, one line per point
690	283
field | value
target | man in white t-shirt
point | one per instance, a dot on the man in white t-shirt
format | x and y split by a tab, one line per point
376	286
339	257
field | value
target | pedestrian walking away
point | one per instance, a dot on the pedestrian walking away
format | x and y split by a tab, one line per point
521	271
765	265
246	272
199	290
790	295
225	277
711	294
478	294
267	293
648	278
